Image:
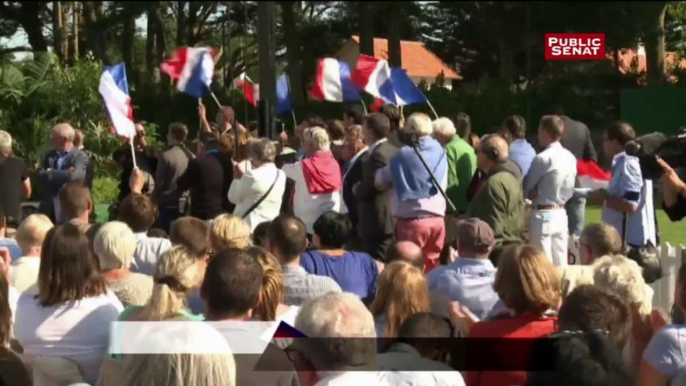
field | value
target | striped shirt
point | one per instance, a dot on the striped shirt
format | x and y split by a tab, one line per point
300	286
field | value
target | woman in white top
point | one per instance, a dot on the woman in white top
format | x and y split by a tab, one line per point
71	315
248	188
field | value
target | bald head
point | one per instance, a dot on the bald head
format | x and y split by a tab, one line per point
406	251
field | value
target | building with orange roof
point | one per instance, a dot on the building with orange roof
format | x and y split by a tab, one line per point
420	63
631	60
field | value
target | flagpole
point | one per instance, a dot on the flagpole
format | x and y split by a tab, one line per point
200	128
288	82
215	99
432	108
133	152
364	106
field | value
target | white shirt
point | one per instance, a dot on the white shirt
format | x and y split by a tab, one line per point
245	192
76	330
148	250
376	144
552	174
356	378
13	298
24	272
402	365
308	207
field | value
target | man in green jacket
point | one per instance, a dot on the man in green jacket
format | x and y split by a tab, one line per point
499	201
461	162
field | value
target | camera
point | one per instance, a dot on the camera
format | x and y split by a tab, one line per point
408	137
672	149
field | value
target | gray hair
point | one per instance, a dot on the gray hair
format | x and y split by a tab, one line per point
355	130
337	317
445	127
420	124
318	137
262	150
5	142
65	131
114	244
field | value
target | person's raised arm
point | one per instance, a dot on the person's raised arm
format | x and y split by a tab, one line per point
204	124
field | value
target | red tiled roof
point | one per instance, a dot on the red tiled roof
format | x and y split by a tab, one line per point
417	60
628	58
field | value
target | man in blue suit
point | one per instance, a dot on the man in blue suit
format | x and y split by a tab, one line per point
64	163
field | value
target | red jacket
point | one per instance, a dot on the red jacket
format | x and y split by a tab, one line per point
522	326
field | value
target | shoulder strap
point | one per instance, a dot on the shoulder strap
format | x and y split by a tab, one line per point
258	202
625	220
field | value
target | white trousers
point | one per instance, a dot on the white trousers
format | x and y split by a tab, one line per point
548	231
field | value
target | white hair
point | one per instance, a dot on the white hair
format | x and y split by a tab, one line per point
339	316
624	277
318	137
5	142
420	124
32	231
445	127
65	131
114	244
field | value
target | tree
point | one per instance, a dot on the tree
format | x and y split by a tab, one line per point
291	13
30	15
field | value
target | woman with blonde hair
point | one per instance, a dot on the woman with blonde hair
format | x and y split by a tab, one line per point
271	307
177	273
402	292
529	286
229	231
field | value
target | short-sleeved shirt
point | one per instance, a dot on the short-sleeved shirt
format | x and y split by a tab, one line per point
355	272
627	183
468	281
666	352
13	173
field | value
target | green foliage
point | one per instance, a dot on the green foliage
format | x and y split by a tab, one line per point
37	94
105	190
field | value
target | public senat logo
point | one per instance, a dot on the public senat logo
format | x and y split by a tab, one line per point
567	46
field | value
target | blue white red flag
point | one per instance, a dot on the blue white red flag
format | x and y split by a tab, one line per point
115	93
392	85
192	68
333	83
283	95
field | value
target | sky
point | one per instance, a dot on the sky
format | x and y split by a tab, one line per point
20	39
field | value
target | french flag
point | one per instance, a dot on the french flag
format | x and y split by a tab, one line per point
591	176
392	85
251	91
333	83
115	93
192	68
377	105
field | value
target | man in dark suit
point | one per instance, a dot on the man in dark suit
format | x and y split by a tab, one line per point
354	153
375	223
65	164
577	139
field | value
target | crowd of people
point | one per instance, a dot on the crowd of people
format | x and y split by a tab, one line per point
378	238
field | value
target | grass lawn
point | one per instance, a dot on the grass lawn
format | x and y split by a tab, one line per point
671	232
